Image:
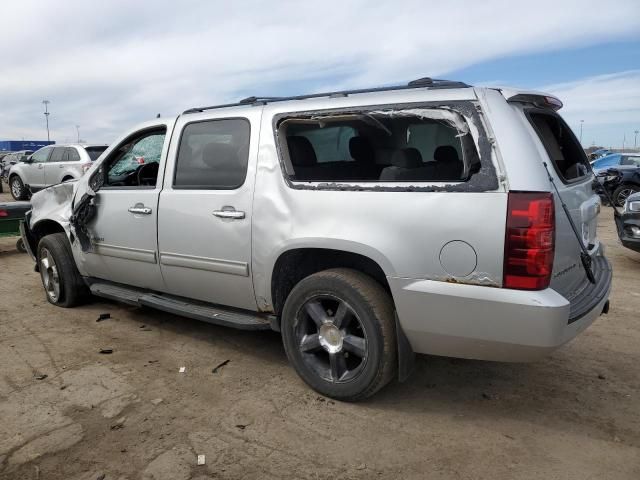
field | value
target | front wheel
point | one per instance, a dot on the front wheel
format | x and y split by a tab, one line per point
621	193
18	190
338	329
61	280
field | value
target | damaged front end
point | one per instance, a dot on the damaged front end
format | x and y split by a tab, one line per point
56	209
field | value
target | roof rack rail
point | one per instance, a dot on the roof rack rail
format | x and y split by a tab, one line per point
425	82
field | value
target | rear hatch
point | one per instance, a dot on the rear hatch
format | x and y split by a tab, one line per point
568	166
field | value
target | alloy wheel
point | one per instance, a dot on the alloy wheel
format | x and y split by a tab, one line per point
622	196
16	188
50	277
331	339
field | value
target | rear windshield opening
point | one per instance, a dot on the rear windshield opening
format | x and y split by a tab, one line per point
561	145
95	152
379	147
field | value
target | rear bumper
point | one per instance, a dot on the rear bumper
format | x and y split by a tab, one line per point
485	323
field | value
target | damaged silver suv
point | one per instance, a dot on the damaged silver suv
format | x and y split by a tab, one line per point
365	226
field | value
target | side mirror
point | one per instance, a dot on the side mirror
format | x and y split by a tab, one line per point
25	159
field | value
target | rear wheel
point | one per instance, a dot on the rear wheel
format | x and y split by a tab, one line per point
338	328
621	193
61	280
18	190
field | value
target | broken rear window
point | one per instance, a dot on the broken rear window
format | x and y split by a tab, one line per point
561	145
412	145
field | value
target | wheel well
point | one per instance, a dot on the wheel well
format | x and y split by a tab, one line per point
44	228
294	265
68	177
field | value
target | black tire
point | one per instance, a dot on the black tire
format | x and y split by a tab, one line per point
370	312
625	189
71	290
20	246
17	188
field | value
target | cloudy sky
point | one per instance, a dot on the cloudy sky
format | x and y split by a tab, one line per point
108	65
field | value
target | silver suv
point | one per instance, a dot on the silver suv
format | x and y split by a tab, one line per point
51	165
365	226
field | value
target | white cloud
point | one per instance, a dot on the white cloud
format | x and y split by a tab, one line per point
107	65
609	105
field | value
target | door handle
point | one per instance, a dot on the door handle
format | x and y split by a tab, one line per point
60	166
229	212
140	209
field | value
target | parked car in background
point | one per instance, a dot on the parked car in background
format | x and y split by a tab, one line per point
364	226
51	165
628	223
11	159
599	153
615	160
620	182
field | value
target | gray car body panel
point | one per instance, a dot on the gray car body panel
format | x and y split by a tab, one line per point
439	245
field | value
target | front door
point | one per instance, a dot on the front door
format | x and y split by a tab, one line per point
204	219
124	229
34	170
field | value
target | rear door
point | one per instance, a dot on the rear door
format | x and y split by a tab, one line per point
54	166
568	165
204	215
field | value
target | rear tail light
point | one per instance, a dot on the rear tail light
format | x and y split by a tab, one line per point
530	241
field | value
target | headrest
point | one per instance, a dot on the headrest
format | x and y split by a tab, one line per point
446	154
216	154
360	150
301	152
407	158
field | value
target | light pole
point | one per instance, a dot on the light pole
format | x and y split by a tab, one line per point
581	122
46	116
78	129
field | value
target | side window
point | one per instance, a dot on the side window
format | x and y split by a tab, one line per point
135	163
381	146
72	155
57	154
41	155
213	155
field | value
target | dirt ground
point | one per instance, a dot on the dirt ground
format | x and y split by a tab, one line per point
132	415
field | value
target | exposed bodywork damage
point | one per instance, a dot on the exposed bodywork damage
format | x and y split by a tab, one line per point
476	278
463	115
84	211
53	203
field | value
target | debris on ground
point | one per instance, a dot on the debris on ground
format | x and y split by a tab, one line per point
62	387
101	476
182	369
242	426
106	351
215	370
103	316
601	376
118	424
200	459
156	401
40	376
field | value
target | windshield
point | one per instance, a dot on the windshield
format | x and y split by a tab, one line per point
95	152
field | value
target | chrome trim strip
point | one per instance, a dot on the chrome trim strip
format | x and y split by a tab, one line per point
137	254
204	263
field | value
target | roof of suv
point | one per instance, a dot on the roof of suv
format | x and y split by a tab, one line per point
410	92
83	145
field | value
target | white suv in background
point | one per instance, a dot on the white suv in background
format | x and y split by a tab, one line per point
51	165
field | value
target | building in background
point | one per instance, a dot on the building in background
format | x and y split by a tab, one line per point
16	145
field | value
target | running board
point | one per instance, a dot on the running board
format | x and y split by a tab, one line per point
181	306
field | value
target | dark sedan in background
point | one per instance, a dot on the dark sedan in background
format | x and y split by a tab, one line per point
620	182
628	223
